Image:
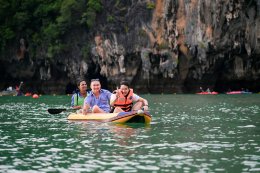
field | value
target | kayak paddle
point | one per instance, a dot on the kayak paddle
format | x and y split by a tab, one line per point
57	111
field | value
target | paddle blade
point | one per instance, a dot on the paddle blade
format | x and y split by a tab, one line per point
56	111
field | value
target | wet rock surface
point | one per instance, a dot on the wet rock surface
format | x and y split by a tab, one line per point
161	46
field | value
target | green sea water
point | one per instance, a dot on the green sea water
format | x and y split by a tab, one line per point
188	133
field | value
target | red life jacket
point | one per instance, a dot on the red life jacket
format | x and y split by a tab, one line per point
125	102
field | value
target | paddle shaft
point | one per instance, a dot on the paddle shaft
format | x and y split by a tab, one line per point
57	111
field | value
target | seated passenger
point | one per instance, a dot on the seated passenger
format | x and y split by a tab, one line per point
125	99
98	99
77	99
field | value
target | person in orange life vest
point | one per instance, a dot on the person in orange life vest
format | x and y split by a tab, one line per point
125	99
77	99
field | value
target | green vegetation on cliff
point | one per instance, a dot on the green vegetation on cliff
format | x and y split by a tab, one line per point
44	22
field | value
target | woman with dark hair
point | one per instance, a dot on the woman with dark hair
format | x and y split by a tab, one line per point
125	99
77	99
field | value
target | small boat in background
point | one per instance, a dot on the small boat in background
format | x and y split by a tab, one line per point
238	92
207	93
8	93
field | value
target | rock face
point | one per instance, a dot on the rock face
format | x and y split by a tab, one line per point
161	46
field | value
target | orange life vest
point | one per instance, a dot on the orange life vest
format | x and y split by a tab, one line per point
125	102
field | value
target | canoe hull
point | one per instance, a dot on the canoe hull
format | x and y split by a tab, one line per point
8	93
239	92
122	117
208	93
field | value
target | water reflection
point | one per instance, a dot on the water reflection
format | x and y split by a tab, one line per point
188	134
122	134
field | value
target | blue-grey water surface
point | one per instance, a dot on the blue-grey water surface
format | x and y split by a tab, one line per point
188	133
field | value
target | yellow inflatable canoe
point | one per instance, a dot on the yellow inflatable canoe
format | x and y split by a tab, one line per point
122	117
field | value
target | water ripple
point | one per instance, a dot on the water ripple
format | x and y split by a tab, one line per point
188	134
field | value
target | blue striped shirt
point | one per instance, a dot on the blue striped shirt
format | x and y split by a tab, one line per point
103	101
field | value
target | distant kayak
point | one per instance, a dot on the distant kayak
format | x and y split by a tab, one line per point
9	93
122	117
12	92
239	92
208	93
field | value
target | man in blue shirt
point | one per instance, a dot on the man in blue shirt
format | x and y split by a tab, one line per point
98	100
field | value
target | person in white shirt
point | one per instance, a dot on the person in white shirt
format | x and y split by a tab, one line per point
124	99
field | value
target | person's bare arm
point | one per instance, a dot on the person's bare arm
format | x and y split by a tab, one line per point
145	103
76	107
114	97
85	109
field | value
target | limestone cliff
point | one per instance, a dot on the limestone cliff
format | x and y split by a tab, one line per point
161	46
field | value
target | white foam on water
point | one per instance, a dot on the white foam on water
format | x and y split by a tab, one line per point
247	126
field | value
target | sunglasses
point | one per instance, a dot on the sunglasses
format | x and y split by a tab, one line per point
92	80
